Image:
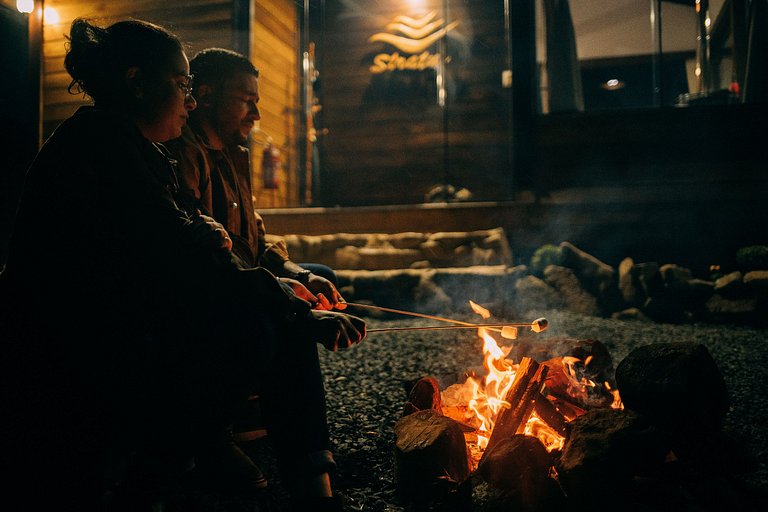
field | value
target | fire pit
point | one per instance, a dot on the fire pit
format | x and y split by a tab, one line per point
543	424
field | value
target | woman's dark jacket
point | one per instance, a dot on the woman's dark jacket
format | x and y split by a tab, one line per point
109	298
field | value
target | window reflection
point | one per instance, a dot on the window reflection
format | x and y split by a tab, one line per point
615	54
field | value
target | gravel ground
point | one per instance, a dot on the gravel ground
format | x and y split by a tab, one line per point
366	393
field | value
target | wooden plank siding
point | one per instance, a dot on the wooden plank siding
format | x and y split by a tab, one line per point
274	50
199	24
388	141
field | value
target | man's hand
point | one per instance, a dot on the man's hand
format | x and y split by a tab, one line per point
207	231
336	330
301	291
328	297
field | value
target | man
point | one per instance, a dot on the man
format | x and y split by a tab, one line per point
215	178
215	172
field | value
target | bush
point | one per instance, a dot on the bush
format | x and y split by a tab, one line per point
547	254
754	257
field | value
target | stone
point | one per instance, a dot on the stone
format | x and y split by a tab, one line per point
650	278
724	310
604	449
757	282
674	276
407	240
730	285
532	295
575	298
677	386
596	277
483	284
629	283
630	314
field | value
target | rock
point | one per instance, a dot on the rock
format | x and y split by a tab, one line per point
534	295
388	288
428	297
650	278
604	449
674	276
596	277
376	258
488	285
757	282
630	314
677	386
629	283
576	299
723	310
730	285
407	240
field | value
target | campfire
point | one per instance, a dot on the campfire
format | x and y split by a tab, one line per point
521	398
542	424
513	397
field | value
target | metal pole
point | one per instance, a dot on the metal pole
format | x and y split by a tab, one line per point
656	54
703	24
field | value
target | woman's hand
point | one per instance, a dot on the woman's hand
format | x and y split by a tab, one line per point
336	330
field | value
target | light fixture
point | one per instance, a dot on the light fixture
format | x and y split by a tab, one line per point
51	16
26	6
613	84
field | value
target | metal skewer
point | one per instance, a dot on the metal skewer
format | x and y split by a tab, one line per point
538	325
410	313
445	327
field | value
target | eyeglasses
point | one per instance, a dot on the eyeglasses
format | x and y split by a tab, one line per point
186	85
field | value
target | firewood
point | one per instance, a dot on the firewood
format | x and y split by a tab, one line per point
519	467
431	460
527	385
425	394
547	411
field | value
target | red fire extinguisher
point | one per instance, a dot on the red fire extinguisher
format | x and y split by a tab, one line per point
270	164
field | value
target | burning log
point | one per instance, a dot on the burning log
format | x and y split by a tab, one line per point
431	462
520	467
547	411
526	387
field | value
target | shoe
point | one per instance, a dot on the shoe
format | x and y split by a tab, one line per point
228	469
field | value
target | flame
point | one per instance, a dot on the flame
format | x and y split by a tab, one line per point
480	310
617	403
539	428
478	402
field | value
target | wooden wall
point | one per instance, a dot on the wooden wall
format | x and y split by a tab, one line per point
274	50
388	141
200	24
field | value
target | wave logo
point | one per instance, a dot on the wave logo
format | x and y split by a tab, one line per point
411	36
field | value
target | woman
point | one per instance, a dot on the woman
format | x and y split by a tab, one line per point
129	331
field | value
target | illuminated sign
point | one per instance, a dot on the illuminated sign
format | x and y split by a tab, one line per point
415	36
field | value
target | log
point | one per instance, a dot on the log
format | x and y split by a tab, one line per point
547	411
526	387
425	394
519	467
431	461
